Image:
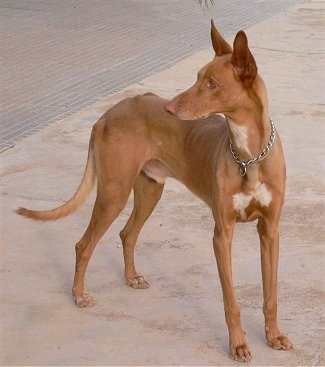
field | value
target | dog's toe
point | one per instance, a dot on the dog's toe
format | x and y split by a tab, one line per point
86	300
280	342
241	353
138	282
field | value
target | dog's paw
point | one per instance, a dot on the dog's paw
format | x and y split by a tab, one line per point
138	282
86	300
240	353
280	342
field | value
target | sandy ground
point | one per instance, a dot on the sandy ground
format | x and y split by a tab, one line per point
179	320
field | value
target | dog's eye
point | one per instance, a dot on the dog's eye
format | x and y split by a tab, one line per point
212	84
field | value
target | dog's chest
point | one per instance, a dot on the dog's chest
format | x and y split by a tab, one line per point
248	204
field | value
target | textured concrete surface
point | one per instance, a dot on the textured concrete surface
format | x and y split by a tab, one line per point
179	320
60	56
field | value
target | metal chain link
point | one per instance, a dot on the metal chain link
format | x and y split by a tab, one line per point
243	164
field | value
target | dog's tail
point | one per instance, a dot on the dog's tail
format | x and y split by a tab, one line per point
76	200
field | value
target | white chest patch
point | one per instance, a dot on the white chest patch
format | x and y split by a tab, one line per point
240	136
261	194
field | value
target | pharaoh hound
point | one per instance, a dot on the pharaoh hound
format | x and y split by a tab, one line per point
234	162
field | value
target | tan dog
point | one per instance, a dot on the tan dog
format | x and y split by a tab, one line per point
234	164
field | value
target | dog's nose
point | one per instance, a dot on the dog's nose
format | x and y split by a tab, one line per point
170	107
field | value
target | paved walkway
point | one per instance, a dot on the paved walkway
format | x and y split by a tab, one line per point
179	320
60	56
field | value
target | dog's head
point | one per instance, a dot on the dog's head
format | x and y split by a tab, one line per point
222	85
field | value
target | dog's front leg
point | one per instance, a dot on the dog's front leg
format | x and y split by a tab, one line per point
239	349
269	239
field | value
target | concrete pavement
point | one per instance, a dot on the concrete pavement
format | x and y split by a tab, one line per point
179	320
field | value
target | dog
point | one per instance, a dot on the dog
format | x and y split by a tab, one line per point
218	139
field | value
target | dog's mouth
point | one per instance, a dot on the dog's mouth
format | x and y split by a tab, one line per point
172	108
183	115
187	115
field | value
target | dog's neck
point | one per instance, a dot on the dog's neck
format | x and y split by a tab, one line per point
249	128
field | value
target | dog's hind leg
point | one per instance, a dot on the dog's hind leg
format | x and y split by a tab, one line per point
147	193
112	196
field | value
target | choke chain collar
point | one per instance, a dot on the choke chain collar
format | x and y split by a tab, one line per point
244	164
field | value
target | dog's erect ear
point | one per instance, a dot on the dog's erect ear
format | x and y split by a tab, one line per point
220	46
242	59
